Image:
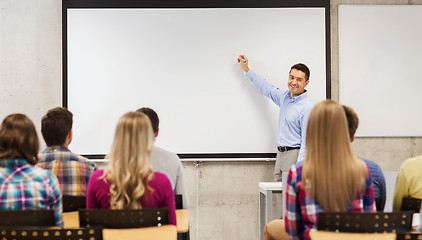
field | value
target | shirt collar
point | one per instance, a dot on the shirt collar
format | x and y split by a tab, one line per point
13	163
300	97
56	149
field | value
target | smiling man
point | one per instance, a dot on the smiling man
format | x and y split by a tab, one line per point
295	107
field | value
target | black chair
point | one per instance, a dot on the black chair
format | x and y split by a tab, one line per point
378	204
73	203
411	204
31	233
39	218
178	198
365	222
128	218
409	236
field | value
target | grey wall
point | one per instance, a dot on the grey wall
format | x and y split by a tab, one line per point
227	192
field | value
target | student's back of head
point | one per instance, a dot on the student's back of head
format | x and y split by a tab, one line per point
329	158
25	186
18	139
129	171
55	126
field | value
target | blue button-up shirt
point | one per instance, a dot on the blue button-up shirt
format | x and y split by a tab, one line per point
293	116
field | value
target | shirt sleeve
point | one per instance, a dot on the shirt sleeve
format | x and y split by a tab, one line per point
264	87
381	187
91	191
303	126
168	199
293	217
180	187
400	190
55	201
368	197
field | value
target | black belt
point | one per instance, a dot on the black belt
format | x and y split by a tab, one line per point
283	149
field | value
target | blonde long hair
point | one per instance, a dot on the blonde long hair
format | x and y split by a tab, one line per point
129	170
331	172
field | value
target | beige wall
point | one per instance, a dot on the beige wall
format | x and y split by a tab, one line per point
224	195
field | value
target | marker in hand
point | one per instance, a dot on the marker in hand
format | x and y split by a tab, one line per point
244	60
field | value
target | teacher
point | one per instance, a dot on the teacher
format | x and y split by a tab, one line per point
295	107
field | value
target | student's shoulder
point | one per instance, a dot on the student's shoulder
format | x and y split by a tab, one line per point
160	179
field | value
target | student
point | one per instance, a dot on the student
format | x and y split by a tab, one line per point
23	185
128	182
376	172
167	162
295	106
72	170
328	160
409	181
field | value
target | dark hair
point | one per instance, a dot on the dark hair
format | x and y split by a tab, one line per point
302	67
153	117
55	126
19	139
352	120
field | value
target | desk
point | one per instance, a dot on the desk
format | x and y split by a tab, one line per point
266	190
323	235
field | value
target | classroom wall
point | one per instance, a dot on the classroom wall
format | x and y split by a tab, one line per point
223	195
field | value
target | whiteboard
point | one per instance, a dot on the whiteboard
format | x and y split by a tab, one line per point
380	67
182	63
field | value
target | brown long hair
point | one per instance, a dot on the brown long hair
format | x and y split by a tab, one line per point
19	139
129	170
331	172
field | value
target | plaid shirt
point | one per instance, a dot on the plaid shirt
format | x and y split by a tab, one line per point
302	211
24	186
72	170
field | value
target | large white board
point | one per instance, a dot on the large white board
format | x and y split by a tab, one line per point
182	63
380	60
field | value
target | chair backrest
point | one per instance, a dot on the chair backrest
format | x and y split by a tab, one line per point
409	236
27	218
51	234
378	204
73	203
128	218
411	204
365	222
178	198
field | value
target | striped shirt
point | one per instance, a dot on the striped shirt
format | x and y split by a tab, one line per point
73	171
302	210
24	186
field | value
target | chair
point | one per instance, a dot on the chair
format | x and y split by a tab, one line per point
178	198
365	222
409	236
73	203
15	218
127	218
31	233
411	204
182	216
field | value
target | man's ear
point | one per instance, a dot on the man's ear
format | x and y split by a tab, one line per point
69	138
353	139
156	133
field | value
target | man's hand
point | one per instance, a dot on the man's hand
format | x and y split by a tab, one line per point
243	60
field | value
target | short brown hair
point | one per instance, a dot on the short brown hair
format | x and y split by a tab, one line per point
153	117
352	120
19	139
302	67
55	126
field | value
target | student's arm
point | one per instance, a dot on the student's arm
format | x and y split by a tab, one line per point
180	187
381	186
400	190
293	217
168	198
55	199
260	83
368	197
